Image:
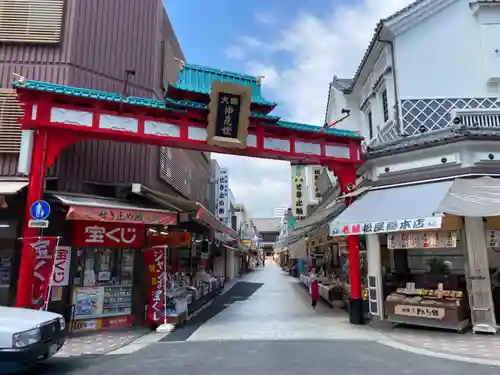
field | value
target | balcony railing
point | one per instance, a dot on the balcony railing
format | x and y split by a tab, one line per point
470	118
476	118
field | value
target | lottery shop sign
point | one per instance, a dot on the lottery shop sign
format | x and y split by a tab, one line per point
102	234
43	248
385	226
155	260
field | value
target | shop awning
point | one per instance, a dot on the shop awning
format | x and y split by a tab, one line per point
298	249
185	205
392	209
474	197
113	210
9	187
326	210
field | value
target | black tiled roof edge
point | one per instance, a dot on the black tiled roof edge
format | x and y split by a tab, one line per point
378	28
432	139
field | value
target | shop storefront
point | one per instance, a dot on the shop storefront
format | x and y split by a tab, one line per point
103	277
105	239
415	256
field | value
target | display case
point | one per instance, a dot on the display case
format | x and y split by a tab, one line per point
446	309
117	300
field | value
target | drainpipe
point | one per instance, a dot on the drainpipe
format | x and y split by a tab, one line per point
396	94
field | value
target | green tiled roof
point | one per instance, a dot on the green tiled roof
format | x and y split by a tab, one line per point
316	129
197	78
167	105
91	94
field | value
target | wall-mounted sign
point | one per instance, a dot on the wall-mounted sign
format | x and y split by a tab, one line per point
426	240
87	234
299	191
115	215
229	115
386	226
223	195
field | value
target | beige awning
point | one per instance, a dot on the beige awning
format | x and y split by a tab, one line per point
472	197
298	249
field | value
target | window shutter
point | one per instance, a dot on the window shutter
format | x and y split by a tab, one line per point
10	131
31	21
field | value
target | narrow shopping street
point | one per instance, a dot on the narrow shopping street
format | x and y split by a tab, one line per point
266	327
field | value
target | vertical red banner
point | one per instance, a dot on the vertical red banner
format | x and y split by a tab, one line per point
155	260
44	249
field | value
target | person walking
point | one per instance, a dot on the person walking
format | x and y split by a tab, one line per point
314	289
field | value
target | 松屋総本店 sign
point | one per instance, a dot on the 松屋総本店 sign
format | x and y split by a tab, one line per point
385	226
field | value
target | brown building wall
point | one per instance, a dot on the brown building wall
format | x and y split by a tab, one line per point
101	39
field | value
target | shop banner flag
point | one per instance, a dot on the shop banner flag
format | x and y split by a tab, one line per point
44	249
155	260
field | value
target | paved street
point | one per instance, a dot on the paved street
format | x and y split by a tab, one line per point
265	325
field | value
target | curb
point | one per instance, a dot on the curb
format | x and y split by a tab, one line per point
138	344
385	340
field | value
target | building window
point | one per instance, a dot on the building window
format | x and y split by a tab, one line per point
10	131
385	105
31	21
370	124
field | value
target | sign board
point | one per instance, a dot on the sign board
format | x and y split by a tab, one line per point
62	263
229	115
105	234
425	240
420	311
223	197
40	210
385	226
38	224
299	191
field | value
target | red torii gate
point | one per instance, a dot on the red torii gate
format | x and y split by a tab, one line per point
191	117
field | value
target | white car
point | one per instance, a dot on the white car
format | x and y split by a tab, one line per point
28	337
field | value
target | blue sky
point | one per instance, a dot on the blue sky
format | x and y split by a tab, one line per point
297	45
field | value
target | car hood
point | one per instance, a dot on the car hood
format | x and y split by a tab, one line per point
14	319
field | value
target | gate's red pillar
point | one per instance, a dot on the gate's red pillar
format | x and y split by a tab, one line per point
35	192
346	176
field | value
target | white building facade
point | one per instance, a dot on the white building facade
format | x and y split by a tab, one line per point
416	73
426	97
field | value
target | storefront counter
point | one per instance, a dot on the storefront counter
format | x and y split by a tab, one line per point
331	293
427	308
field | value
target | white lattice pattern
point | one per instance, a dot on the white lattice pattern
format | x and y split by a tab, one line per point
434	114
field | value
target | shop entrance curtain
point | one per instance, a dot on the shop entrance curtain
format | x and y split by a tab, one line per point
474	197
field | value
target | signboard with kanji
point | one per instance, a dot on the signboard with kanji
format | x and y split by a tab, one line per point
229	115
299	191
385	226
223	195
102	234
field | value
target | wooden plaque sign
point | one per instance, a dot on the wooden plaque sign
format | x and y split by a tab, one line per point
229	115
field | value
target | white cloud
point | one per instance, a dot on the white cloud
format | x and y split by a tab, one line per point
316	48
259	184
320	47
235	53
266	18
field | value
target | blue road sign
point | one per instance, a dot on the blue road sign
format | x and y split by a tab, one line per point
40	210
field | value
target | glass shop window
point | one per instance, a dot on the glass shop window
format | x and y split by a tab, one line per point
101	266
